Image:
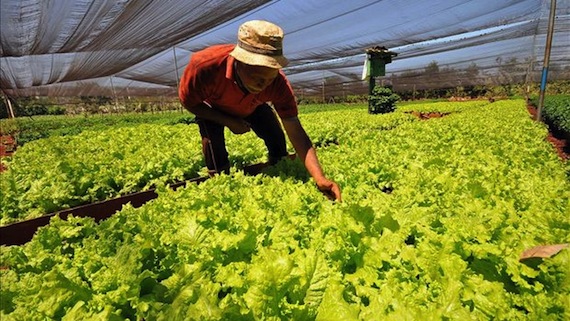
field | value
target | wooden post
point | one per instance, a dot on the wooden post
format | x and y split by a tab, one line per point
9	107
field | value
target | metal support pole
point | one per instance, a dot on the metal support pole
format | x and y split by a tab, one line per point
546	59
114	95
181	108
176	67
371	84
323	88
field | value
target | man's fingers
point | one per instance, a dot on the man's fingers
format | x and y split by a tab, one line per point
332	192
329	194
336	191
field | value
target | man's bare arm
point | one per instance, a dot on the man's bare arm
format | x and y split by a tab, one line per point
307	153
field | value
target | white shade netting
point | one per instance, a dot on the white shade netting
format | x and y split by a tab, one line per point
49	47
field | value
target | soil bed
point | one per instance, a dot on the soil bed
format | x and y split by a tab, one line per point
7	148
426	116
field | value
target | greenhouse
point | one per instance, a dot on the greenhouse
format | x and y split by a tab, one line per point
405	161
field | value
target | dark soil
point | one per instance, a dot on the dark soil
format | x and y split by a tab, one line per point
426	116
7	148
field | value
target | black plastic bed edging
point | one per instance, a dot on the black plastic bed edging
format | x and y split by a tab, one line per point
21	232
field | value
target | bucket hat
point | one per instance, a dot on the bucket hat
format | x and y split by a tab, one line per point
260	43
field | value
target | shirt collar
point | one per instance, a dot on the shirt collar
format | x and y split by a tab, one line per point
231	74
230	68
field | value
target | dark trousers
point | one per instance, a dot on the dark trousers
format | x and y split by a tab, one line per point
264	124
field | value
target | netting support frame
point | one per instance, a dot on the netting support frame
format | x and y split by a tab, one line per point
547	49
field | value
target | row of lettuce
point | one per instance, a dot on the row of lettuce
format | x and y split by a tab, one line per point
434	217
61	172
26	129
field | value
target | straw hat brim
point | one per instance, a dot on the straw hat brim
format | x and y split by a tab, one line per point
255	59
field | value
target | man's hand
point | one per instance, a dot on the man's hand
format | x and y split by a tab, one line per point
238	126
330	189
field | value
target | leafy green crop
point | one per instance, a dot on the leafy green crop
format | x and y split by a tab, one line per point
435	215
61	172
27	129
382	100
557	111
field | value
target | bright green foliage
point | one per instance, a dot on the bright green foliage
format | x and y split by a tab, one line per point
27	129
64	171
56	173
434	217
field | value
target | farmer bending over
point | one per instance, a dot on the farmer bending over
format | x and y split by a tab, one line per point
230	85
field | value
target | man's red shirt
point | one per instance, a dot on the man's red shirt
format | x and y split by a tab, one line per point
209	78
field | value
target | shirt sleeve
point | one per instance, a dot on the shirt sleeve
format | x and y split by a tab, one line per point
283	97
191	90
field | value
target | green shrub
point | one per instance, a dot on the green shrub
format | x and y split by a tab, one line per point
556	110
383	100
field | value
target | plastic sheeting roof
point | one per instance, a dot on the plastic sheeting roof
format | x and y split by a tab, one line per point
140	47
